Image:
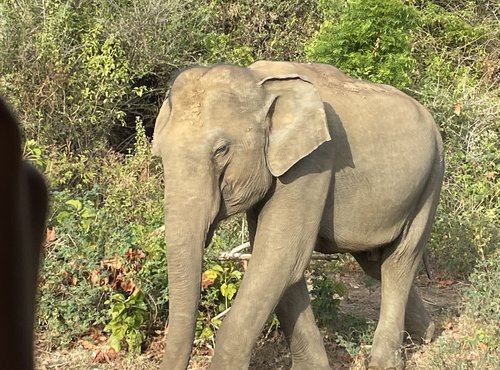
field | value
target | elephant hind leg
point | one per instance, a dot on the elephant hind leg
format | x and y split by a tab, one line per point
297	321
418	322
399	264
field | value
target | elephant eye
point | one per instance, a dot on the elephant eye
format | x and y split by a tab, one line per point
221	149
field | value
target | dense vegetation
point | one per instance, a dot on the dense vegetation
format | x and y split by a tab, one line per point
87	78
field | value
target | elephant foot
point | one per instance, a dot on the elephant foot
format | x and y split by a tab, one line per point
309	366
421	333
394	362
382	367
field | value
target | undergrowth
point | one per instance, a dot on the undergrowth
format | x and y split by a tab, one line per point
472	342
87	78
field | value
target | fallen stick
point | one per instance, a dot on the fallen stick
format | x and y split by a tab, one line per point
235	255
247	256
222	314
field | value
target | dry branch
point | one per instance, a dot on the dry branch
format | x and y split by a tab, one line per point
236	255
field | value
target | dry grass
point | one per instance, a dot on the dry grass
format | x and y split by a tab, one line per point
465	344
81	359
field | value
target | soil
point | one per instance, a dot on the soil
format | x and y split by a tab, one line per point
441	296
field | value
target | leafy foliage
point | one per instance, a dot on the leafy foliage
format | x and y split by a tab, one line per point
106	240
483	296
127	318
87	69
326	294
367	39
455	80
246	31
219	286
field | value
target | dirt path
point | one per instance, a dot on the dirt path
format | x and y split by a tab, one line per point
359	313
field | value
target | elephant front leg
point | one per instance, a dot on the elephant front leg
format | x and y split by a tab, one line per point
297	321
269	274
285	237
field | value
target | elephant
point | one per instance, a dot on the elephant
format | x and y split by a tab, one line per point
318	161
23	211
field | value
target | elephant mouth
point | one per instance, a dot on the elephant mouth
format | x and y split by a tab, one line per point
210	233
221	215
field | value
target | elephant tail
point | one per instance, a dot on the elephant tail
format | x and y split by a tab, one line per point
425	259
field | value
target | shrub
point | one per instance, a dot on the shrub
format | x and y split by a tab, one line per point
455	80
326	293
70	75
367	39
220	284
107	242
483	296
454	41
246	31
473	342
80	72
467	225
127	318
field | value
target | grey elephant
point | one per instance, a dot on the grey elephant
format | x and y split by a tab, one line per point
318	161
23	211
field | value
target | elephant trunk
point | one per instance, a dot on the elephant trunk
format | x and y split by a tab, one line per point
186	229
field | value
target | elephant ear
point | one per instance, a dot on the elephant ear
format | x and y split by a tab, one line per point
297	121
160	124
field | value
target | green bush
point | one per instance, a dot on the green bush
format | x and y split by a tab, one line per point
80	72
246	31
65	286
453	43
70	75
220	284
108	241
467	225
455	80
483	296
127	318
326	293
367	39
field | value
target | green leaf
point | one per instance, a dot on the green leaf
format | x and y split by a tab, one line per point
88	213
115	343
207	332
236	274
75	203
228	290
63	215
217	268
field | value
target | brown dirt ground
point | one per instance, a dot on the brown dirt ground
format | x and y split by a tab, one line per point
441	295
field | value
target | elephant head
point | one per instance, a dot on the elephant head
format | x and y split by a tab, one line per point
224	135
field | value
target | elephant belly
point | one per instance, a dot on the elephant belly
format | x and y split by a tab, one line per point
370	203
352	243
363	222
356	240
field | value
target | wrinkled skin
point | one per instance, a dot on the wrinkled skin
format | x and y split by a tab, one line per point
318	161
23	207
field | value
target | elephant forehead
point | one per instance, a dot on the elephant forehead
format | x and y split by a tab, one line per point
223	104
186	105
200	107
